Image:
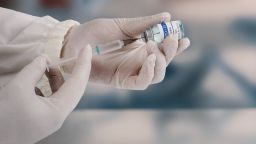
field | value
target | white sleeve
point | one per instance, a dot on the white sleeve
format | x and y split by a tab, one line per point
24	37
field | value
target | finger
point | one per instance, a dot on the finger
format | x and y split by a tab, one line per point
183	45
160	66
134	26
169	47
55	78
38	92
33	72
72	90
145	76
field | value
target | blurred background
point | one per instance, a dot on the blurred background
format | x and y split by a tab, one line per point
209	92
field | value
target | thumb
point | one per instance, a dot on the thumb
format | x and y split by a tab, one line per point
33	72
134	26
72	90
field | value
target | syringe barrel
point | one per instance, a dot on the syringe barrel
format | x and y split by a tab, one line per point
96	50
107	47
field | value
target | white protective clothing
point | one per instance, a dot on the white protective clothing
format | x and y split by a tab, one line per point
135	66
26	117
24	37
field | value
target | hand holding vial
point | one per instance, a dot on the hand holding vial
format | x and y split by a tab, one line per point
136	64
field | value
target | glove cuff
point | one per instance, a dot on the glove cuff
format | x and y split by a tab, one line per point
56	36
53	43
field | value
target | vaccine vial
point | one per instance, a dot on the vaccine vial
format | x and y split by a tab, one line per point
160	31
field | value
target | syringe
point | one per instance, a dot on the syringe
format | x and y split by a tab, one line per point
96	50
156	33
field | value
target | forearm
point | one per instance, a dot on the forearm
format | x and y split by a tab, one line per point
23	37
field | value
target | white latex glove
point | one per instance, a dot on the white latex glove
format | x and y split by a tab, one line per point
135	66
26	117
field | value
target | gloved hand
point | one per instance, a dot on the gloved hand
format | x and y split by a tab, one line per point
135	66
26	117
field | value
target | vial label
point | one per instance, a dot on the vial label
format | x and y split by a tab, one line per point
165	29
160	31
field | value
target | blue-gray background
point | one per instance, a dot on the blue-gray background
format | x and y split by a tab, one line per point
209	92
216	71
